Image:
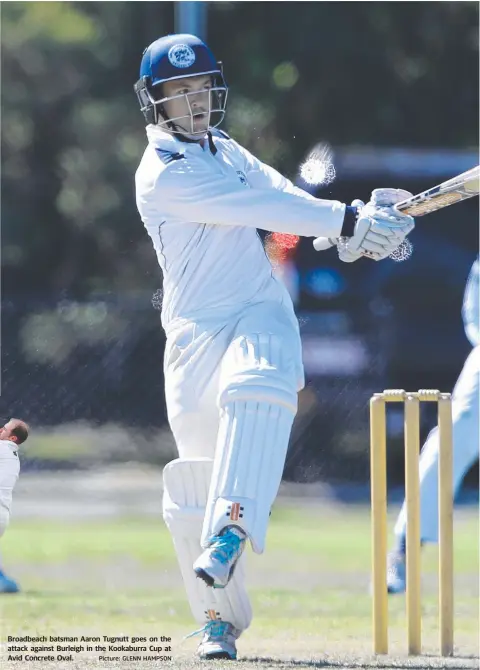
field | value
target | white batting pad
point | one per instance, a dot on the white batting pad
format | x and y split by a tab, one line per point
258	399
186	485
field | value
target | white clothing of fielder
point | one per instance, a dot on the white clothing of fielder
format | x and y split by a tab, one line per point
9	471
465	411
233	364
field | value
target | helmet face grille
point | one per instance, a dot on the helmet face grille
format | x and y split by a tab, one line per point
152	105
189	122
178	57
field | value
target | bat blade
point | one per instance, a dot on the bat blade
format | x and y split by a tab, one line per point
461	187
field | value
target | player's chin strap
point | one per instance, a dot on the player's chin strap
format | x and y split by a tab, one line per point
183	138
160	113
189	140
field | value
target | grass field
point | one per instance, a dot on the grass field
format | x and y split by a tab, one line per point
309	591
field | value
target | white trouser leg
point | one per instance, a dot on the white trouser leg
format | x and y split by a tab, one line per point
193	358
465	410
186	485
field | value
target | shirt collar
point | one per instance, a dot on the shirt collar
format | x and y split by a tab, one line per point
168	142
11	444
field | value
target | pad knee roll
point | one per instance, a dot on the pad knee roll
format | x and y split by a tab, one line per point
259	367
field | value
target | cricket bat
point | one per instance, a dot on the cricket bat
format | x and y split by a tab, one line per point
461	187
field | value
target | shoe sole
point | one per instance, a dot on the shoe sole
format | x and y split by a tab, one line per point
394	592
218	656
201	574
209	581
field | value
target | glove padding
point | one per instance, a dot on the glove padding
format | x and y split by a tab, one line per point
380	228
386	197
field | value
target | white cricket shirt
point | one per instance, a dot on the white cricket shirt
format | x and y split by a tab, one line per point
471	306
202	206
9	471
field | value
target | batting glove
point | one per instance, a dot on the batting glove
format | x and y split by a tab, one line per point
380	228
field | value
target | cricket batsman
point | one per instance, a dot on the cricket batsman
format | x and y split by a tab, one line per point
466	439
233	360
12	435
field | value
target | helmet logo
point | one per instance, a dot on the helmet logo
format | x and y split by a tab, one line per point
181	55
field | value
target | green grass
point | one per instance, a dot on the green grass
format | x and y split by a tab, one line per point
54	542
309	590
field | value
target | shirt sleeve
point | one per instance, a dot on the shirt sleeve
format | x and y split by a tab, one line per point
261	175
471	307
217	198
9	471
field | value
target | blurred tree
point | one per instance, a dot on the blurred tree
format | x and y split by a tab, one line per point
72	136
377	73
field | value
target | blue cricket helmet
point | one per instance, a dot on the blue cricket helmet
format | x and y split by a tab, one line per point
177	57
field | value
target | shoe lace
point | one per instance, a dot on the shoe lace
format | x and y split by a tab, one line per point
227	546
216	629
